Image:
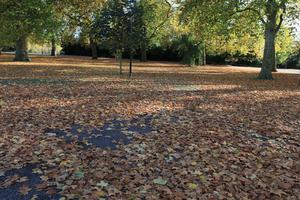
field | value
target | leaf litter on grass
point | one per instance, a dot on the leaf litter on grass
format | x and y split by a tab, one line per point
212	141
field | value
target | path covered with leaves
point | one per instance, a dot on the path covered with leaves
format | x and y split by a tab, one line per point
72	128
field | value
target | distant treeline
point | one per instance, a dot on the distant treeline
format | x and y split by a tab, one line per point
172	54
154	53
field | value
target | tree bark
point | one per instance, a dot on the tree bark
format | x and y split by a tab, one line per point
21	49
94	49
204	53
276	64
144	52
120	58
269	58
130	63
53	47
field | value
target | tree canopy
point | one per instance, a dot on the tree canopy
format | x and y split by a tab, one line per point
24	19
193	28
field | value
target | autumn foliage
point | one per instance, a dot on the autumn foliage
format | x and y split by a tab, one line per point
211	132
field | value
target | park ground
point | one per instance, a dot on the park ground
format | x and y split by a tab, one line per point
73	128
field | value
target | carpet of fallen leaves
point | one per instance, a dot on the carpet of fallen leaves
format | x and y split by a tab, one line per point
216	131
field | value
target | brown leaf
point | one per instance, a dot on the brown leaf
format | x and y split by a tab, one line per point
9	181
24	190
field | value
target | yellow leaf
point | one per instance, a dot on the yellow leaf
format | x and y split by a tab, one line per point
98	194
193	163
192	186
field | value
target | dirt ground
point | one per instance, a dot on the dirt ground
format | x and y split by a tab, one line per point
73	128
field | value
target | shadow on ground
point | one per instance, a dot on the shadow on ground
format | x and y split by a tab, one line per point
110	135
27	180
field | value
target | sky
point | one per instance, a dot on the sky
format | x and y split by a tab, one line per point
297	32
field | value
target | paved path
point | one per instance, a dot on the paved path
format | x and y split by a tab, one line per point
289	71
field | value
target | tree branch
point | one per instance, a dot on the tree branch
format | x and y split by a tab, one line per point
250	8
283	7
164	21
280	23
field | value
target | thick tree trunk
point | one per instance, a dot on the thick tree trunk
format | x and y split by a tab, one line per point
271	29
21	49
94	49
269	55
53	47
144	52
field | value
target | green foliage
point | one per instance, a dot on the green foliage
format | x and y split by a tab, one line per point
79	17
205	22
25	18
190	50
293	61
239	26
156	17
118	25
204	18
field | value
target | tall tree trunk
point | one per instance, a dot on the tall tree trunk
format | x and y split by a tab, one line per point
204	53
121	64
130	63
199	60
119	57
53	47
94	49
276	63
144	52
21	49
269	56
271	28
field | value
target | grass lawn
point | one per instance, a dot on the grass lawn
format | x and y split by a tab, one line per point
74	128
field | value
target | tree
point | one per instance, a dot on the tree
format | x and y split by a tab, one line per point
154	15
57	27
110	26
80	16
203	20
205	17
24	19
5	40
271	14
191	50
118	26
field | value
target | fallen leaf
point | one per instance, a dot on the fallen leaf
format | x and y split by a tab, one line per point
79	174
102	184
160	181
24	190
97	194
192	186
